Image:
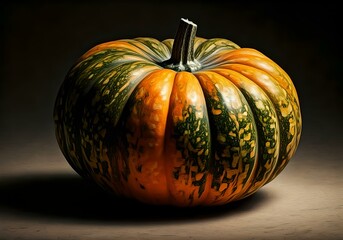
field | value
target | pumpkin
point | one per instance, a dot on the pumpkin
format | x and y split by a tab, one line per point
183	122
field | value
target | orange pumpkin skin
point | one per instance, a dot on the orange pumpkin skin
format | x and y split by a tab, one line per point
207	136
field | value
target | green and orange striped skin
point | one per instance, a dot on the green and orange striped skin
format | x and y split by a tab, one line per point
206	137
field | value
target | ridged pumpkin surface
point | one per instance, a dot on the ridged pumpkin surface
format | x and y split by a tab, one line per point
206	137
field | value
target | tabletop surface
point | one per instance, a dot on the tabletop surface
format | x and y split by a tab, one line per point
43	198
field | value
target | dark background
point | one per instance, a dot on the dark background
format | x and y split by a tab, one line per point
40	41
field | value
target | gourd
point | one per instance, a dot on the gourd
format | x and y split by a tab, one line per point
183	122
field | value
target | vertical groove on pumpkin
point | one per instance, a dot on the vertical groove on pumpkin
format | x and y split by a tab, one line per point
167	138
211	159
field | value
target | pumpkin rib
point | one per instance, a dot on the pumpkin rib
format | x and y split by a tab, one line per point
72	101
254	58
197	42
168	43
110	57
207	50
280	75
187	148
87	99
113	111
230	116
123	45
267	124
144	133
278	72
156	50
284	105
225	55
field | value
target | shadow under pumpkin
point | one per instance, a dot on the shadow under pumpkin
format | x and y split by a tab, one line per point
68	196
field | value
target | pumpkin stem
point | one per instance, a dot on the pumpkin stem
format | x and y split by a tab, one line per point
182	57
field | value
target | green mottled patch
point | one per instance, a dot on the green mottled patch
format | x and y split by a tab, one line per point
233	142
193	141
155	49
206	51
89	105
268	136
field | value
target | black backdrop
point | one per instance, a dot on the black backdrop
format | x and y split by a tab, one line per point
40	40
